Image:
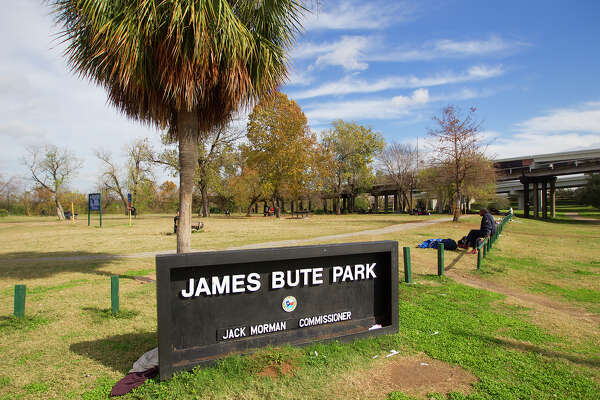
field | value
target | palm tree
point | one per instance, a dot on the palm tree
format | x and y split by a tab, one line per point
182	65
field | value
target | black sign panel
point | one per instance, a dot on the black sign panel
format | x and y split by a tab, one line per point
94	202
212	304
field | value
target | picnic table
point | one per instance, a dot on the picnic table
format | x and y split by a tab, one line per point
299	213
196	226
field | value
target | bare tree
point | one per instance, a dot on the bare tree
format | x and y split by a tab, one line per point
7	187
399	162
52	168
458	148
139	157
111	178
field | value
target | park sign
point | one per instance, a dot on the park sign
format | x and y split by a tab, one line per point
213	304
94	202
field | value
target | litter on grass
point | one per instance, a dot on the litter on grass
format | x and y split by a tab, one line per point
392	353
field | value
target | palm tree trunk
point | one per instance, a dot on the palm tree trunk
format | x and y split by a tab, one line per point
187	126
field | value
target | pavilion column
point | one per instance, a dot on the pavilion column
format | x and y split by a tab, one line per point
309	205
545	199
375	202
385	203
395	202
292	206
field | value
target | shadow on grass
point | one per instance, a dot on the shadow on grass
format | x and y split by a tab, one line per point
10	323
560	220
117	352
31	265
456	259
529	347
99	315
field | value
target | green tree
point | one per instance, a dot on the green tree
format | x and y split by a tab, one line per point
183	65
280	147
353	147
590	193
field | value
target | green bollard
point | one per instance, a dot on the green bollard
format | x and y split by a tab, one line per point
440	255
114	293
407	269
479	259
20	291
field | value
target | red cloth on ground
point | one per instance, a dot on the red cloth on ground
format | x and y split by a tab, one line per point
132	380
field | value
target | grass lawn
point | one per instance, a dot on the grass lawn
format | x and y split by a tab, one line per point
512	347
45	236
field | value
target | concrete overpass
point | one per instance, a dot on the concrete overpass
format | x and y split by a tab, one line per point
538	175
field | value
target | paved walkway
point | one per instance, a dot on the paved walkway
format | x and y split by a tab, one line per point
281	243
577	217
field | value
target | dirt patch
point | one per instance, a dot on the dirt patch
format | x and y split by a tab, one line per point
275	371
145	279
528	298
412	375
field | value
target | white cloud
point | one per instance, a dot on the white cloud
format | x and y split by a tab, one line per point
558	130
355	15
585	118
299	78
524	144
366	109
352	84
447	48
345	52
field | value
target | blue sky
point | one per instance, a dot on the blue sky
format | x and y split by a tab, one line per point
531	68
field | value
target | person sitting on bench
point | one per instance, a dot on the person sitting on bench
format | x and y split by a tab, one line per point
486	230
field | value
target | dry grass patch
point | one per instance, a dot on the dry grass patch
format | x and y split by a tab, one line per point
415	375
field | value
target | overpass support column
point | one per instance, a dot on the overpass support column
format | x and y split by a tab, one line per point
526	197
553	197
545	199
536	200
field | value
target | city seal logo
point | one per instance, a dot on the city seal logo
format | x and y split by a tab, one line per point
289	304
